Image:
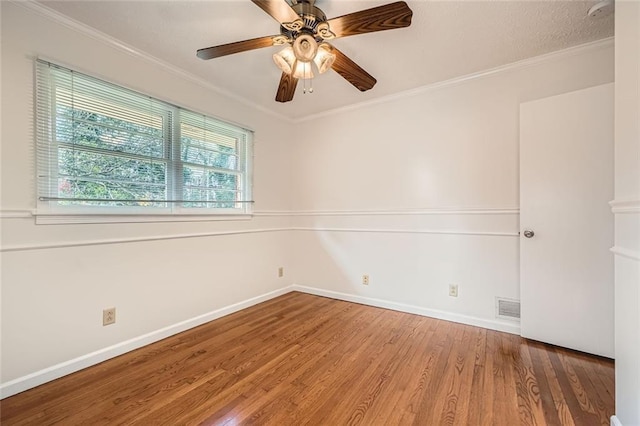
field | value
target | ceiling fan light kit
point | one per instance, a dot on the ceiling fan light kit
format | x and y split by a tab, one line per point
305	47
302	70
304	30
297	59
325	58
285	59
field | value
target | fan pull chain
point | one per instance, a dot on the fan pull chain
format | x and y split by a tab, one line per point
304	80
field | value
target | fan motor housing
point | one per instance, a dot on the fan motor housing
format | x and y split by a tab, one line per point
311	17
307	10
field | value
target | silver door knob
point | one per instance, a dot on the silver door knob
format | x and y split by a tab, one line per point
528	233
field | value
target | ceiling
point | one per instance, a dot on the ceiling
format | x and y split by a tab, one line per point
446	39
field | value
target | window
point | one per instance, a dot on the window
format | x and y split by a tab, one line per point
108	150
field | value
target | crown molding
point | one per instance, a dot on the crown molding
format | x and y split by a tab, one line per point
522	64
113	42
119	45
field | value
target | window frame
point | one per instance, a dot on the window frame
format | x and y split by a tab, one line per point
47	158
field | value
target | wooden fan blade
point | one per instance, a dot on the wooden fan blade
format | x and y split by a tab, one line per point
236	47
278	9
352	72
287	87
387	17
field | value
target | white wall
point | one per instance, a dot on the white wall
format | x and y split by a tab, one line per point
627	212
427	196
52	298
387	170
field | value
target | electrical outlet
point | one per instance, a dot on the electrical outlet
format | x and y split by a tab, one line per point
365	280
453	290
108	316
281	272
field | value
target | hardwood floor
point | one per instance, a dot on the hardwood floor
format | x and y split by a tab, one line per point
307	360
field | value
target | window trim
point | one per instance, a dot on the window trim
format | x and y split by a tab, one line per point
48	212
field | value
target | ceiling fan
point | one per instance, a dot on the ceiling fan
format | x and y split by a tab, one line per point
304	32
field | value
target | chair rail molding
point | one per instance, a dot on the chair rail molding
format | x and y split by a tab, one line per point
397	212
16	214
96	242
625	206
629	254
409	231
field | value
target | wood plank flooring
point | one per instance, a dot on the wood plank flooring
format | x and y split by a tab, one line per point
306	360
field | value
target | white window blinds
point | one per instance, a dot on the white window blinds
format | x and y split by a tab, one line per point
104	146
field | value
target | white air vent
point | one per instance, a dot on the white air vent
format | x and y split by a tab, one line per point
507	308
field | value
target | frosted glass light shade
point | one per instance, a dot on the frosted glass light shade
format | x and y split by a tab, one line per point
302	70
285	59
305	48
324	58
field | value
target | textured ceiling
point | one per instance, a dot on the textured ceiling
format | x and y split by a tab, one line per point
447	39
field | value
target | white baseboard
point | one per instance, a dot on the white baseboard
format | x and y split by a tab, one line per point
56	371
59	370
507	327
615	421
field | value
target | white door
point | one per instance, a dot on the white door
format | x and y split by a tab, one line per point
566	183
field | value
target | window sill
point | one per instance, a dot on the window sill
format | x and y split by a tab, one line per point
75	217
